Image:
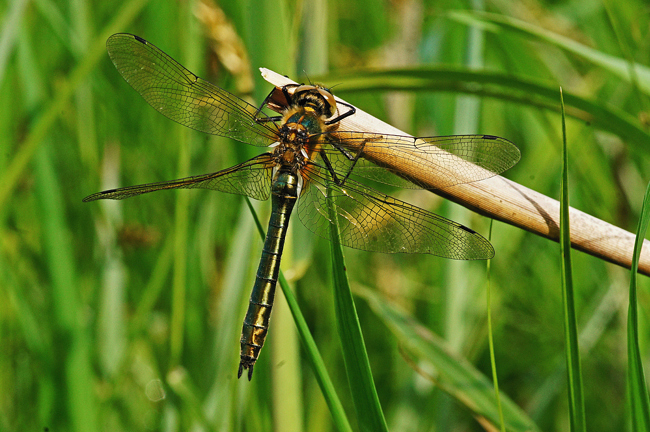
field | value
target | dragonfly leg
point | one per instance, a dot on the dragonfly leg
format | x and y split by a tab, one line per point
268	119
348	113
275	105
339	181
259	110
270	101
285	92
354	162
342	149
348	155
265	119
330	168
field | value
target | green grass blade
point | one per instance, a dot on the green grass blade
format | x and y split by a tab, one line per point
313	356
70	362
154	288
179	286
639	403
574	373
11	176
280	52
370	416
627	51
316	361
9	32
493	362
457	376
75	357
616	65
222	401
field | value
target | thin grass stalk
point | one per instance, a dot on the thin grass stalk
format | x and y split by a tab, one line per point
637	390
181	222
574	378
370	416
493	362
466	119
84	96
180	257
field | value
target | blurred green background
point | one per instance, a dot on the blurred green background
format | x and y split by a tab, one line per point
125	316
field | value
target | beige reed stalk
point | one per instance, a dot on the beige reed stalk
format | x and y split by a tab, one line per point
507	201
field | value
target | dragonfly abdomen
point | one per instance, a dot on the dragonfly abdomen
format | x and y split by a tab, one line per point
284	194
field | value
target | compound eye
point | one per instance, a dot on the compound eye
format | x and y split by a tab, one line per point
303	88
329	98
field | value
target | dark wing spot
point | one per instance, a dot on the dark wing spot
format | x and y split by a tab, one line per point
469	230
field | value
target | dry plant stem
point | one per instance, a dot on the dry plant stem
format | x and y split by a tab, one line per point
507	201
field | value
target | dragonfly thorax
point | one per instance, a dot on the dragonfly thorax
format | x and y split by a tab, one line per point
294	134
291	153
305	117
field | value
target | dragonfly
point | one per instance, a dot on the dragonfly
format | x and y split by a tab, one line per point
311	166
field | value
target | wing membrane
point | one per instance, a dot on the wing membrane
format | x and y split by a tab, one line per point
487	156
252	178
184	97
372	221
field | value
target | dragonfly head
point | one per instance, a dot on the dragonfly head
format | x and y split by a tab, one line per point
321	101
317	96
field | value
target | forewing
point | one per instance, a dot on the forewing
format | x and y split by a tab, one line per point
380	154
251	178
372	221
184	97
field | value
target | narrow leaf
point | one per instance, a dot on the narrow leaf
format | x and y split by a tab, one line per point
456	376
616	65
493	362
370	417
639	402
574	373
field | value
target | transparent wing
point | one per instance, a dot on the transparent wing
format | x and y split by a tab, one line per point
379	153
372	221
182	96
252	178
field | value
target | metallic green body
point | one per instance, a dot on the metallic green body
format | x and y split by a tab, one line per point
284	194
